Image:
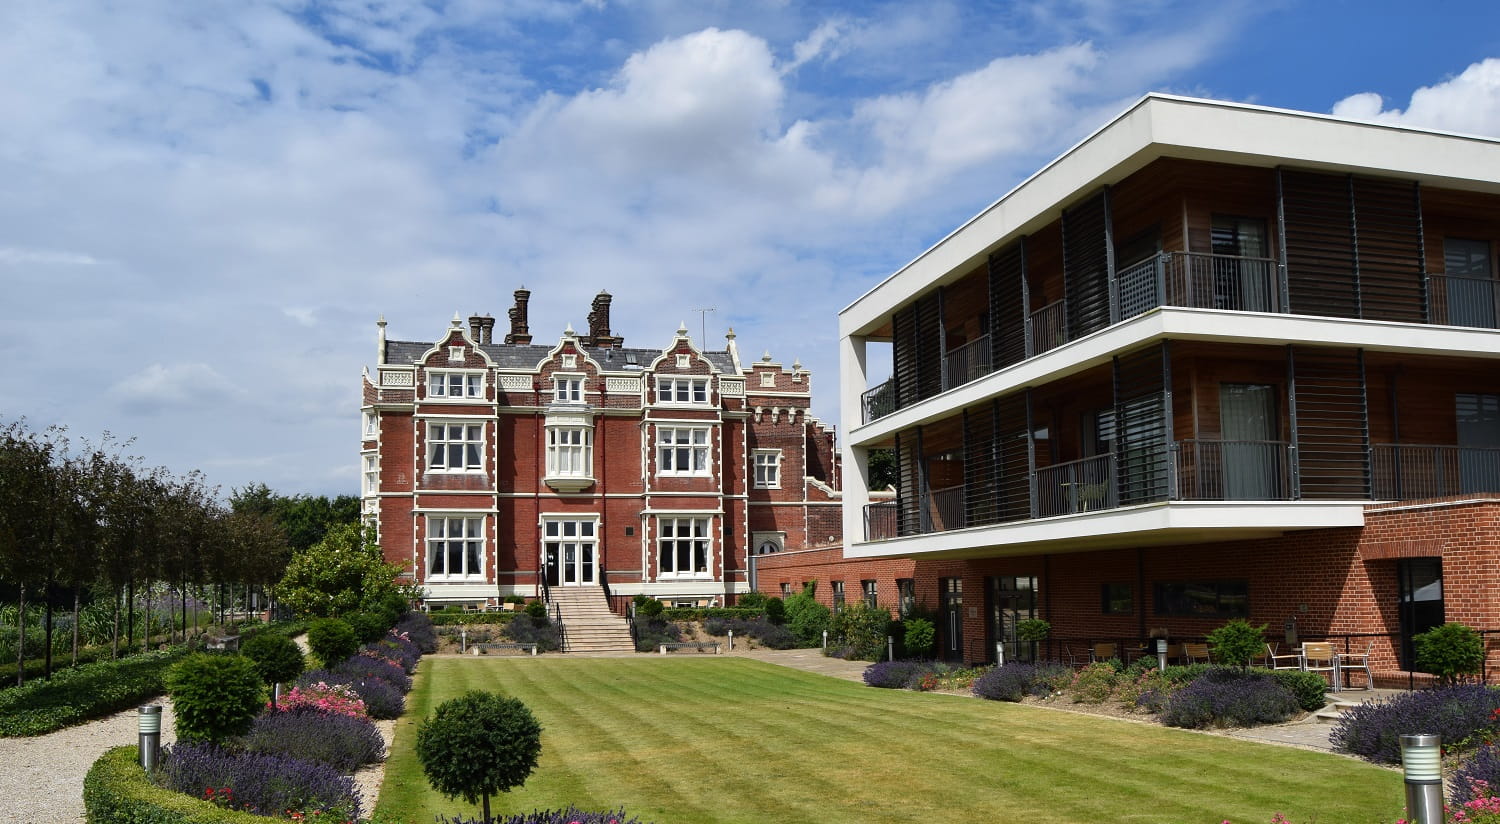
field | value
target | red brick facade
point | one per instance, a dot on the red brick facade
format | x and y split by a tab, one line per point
488	466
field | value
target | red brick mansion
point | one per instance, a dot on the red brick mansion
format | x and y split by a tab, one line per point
510	468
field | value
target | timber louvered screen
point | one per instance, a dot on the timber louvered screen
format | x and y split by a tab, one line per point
1008	305
917	344
1330	422
1388	231
909	482
1317	234
1013	457
1087	258
1141	436
981	468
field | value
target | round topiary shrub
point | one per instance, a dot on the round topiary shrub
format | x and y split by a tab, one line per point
1450	652
331	640
368	627
214	696
277	658
479	744
775	610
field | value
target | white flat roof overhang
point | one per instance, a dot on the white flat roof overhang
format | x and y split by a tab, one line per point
1176	323
1167	126
1159	524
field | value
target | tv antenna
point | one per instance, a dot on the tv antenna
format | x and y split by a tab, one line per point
703	325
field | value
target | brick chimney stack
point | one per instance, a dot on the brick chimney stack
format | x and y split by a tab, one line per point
599	324
520	332
476	328
487	329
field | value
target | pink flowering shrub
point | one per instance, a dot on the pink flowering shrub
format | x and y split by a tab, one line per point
1483	807
338	699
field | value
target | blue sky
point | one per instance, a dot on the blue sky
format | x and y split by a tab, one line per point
206	206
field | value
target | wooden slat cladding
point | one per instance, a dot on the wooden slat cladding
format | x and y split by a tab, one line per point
1008	300
1317	230
1388	225
909	483
966	308
1087	259
917	350
1013	456
981	466
1330	422
1141	434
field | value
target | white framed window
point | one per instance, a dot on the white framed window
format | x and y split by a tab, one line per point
567	389
367	424
454	447
570	452
786	590
871	593
684	547
682	450
768	468
446	385
371	474
682	390
767	543
455	547
838	594
571	551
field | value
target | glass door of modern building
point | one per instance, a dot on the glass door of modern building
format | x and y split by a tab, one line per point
1419	582
951	593
1012	599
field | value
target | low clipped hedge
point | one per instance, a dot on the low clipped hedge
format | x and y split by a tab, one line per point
117	791
84	693
705	613
453	619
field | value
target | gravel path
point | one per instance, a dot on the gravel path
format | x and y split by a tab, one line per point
41	778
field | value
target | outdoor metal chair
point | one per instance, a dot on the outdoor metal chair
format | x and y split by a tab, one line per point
1356	661
1102	652
1282	661
1193	653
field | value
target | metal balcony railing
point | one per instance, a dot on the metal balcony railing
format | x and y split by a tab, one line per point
1464	301
881	521
1411	471
1200	281
879	401
1215	470
943	509
1048	328
1085	485
965	363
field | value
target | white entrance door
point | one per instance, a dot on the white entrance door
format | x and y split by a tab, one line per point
570	548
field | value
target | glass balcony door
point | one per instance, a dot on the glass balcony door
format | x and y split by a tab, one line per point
1247	422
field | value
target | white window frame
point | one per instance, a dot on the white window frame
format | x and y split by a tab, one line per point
371	474
677	445
567	389
686	391
583	537
684	539
767	468
570	452
870	589
368	427
454	385
470	550
441	445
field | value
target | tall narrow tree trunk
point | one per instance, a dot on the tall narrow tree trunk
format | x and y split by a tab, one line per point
47	630
130	614
486	808
21	639
76	599
114	632
146	616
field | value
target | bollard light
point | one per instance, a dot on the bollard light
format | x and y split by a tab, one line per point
825	640
731	640
890	647
463	640
1422	767
999	653
1161	654
149	722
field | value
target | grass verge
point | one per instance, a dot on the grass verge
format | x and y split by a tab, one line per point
693	741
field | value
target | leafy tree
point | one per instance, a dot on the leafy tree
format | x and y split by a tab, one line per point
338	575
276	657
214	697
477	745
1449	652
1237	642
882	469
920	637
806	618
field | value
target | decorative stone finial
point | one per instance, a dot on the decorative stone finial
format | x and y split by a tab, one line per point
767	356
730	334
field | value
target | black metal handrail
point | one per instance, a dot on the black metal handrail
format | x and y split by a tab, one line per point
881	521
1084	485
1412	471
1462	300
1048	327
1220	470
968	362
879	401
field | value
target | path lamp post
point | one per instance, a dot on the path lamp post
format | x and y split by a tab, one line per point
731	640
825	640
148	720
1422	767
1161	654
890	648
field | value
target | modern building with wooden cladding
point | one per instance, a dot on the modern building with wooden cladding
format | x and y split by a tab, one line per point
493	469
1215	361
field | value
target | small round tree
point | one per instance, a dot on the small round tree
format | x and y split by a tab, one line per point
1237	642
479	744
331	641
277	658
214	697
1449	652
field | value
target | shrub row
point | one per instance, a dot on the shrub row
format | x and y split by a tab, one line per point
774	636
705	613
1373	731
84	693
571	815
268	784
453	619
117	791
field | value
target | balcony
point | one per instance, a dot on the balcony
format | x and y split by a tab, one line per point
1200	281
1200	470
965	363
1464	301
1414	471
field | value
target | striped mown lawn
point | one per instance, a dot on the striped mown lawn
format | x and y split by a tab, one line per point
724	739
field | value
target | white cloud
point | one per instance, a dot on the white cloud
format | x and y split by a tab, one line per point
14	256
161	387
1469	103
823	42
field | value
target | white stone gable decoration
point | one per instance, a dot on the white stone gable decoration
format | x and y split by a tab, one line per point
516	383
731	388
683	361
622	385
768	379
570	361
395	378
455	354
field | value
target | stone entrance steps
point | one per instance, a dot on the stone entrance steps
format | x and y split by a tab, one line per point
588	624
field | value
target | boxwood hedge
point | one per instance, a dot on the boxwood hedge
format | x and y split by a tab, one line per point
117	791
84	693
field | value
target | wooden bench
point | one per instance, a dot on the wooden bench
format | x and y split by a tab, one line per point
695	645
477	648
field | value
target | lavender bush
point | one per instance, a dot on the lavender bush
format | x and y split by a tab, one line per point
571	815
262	784
1373	730
1480	773
401	653
365	666
896	675
1224	697
418	628
1009	682
382	698
343	742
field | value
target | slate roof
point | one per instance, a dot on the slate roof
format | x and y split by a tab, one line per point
516	356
